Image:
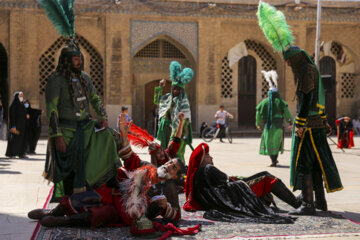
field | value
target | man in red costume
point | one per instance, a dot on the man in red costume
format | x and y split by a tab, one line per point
345	132
224	199
141	190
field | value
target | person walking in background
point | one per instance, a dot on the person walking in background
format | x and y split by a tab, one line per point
17	132
270	115
171	104
221	116
124	110
356	125
345	132
33	117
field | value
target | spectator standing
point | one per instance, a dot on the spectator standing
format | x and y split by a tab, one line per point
17	133
124	110
33	117
220	116
356	125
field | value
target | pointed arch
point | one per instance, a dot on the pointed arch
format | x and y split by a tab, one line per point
151	62
93	63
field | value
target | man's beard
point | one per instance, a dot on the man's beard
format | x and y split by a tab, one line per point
162	172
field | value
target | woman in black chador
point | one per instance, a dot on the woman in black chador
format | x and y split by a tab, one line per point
17	134
33	127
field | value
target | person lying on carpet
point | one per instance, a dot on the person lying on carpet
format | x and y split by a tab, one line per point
140	192
223	199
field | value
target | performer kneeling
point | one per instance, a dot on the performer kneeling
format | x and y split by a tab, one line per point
209	189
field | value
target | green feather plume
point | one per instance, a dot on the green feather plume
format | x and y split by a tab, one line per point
273	23
61	14
175	70
186	75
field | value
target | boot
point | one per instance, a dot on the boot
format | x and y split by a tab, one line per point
283	193
307	207
76	220
274	160
38	214
320	201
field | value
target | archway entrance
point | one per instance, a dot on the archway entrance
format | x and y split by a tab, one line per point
152	62
328	73
4	88
247	92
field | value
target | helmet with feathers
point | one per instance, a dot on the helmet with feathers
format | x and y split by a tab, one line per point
180	77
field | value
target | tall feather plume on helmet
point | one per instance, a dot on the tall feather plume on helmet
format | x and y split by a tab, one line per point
273	23
271	77
61	14
179	75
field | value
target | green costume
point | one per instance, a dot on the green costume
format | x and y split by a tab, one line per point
311	152
170	107
271	113
91	157
311	158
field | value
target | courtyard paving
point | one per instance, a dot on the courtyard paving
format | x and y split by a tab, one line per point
22	187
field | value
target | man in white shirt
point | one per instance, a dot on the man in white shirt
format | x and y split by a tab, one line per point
220	116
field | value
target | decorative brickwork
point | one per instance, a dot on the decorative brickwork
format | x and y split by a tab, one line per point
47	64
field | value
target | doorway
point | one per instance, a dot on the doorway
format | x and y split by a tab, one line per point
328	73
247	92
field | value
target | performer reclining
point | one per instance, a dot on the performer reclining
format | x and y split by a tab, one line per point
226	200
140	189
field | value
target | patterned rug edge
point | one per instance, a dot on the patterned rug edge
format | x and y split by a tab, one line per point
37	227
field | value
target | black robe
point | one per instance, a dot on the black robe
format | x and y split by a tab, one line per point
16	143
231	201
33	128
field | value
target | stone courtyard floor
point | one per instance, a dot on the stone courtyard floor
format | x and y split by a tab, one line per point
22	187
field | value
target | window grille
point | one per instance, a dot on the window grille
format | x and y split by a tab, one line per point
226	79
160	49
347	85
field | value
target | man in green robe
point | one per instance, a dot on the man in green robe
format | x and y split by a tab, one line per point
311	158
82	151
171	104
270	114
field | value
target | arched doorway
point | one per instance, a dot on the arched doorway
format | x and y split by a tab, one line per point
247	92
328	73
4	88
152	62
150	107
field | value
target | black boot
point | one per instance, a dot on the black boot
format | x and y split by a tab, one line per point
307	207
281	191
320	201
38	214
76	220
274	160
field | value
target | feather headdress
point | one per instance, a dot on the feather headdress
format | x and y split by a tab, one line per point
273	23
141	138
180	76
61	14
271	77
